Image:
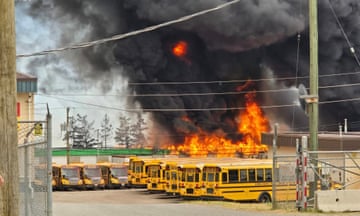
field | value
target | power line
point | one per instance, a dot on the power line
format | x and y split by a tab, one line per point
198	109
133	33
196	93
220	82
352	49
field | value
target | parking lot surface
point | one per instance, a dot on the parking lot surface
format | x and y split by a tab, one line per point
138	202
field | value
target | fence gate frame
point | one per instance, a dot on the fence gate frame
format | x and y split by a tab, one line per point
26	147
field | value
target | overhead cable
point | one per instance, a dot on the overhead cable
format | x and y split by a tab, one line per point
133	33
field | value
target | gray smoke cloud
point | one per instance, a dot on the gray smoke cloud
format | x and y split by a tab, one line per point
244	41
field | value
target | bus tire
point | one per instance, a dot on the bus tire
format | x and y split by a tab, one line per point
264	198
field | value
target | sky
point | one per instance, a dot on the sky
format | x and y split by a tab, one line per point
250	40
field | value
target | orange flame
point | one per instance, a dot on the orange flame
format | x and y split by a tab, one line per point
180	49
252	124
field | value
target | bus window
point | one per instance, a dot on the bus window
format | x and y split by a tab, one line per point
197	177
251	175
173	175
259	174
217	177
183	176
268	175
204	176
210	177
190	178
233	176
224	177
243	175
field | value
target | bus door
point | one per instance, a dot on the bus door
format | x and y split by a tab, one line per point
105	174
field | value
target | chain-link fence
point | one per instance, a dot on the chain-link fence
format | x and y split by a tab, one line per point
298	176
34	168
284	181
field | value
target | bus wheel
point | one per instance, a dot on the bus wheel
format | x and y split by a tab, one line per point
265	198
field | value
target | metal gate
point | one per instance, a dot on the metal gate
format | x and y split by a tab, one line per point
35	168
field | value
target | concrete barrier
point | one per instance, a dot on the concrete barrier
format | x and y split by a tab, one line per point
337	200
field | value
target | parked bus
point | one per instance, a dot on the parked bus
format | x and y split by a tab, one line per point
139	172
56	176
115	175
67	177
171	178
156	173
190	182
250	180
173	171
91	175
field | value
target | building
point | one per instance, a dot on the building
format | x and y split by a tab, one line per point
327	141
26	88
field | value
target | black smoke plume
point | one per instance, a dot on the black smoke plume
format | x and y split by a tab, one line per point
251	40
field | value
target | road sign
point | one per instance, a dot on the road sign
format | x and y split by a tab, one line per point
38	129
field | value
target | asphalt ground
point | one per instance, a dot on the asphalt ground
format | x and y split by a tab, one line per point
138	202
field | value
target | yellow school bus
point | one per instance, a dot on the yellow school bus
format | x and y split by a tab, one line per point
190	182
156	173
115	175
171	178
250	180
67	177
56	176
131	168
139	172
173	171
91	175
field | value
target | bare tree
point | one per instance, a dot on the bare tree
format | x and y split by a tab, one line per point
9	192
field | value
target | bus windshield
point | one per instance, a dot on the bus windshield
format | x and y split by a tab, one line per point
92	172
70	172
119	171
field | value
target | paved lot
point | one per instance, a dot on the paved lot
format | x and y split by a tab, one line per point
141	203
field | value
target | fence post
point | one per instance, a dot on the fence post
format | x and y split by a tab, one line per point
275	173
49	164
26	179
298	175
304	171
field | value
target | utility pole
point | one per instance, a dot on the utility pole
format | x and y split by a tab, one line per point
67	136
9	167
313	97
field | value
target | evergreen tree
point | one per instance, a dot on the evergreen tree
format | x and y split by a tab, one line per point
137	130
80	132
123	133
106	130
